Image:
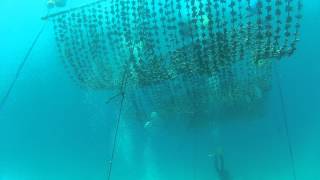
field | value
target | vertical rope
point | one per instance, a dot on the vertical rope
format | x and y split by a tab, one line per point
115	139
285	120
20	67
194	167
195	153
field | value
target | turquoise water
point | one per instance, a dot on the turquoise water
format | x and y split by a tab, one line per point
52	129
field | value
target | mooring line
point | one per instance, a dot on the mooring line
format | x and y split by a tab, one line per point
115	139
20	67
285	120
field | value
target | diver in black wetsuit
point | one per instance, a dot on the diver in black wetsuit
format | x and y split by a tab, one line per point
223	174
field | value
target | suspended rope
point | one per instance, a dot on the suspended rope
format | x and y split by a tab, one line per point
195	153
20	68
48	16
285	120
112	98
122	94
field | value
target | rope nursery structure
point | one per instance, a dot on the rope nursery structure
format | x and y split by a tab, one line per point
191	58
196	59
182	55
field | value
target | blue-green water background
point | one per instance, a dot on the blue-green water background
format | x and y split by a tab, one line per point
51	129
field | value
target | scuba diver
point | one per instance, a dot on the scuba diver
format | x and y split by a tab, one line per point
56	3
222	173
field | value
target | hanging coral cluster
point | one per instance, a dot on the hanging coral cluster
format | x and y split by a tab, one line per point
182	55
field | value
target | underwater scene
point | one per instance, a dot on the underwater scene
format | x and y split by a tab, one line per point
159	90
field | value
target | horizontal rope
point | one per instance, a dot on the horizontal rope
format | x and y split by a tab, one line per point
70	10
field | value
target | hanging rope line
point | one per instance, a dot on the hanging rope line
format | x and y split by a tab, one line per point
122	94
285	120
20	68
48	16
112	98
195	153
